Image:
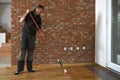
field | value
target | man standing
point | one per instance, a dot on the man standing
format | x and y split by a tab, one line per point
28	37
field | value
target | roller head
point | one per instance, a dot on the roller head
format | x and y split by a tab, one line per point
65	71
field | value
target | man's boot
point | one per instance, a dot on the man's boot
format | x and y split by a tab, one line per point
20	67
29	66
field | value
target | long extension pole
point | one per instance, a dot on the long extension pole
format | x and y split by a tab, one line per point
43	36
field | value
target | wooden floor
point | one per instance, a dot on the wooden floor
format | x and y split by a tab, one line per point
53	72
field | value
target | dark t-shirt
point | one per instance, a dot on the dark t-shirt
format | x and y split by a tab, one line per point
29	25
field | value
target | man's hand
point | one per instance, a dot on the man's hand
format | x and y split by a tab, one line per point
27	11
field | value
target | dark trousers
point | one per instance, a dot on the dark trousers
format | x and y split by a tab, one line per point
27	45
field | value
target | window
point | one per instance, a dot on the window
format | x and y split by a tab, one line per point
115	51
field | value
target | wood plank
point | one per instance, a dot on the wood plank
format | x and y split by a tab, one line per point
50	72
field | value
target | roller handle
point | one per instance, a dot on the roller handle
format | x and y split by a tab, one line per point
59	61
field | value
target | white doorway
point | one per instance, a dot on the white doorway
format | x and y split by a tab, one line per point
5	31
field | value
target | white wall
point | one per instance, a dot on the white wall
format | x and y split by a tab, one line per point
5	1
2	38
5	16
101	33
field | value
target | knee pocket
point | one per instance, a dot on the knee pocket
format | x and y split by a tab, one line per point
32	39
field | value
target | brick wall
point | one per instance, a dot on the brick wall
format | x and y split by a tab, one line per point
66	24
